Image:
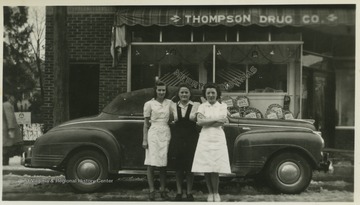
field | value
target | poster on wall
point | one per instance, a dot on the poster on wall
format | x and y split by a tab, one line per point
23	117
32	131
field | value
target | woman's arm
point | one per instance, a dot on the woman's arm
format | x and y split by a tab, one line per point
203	121
145	132
221	122
173	115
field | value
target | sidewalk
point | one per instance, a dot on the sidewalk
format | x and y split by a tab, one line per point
343	163
16	168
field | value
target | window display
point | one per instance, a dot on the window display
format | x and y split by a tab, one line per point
254	75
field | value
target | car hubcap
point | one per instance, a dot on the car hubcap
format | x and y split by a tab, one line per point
289	172
88	169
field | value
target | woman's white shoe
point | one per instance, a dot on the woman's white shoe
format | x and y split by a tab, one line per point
210	198
217	197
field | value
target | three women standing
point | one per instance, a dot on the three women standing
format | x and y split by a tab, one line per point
211	155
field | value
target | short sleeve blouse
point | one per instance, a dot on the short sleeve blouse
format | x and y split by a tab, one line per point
158	112
217	110
192	113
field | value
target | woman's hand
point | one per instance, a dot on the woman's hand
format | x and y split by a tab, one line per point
220	122
145	145
146	127
223	120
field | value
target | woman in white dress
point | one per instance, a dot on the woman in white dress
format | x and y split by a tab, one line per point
211	155
156	137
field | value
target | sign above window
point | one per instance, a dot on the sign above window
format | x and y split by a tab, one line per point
237	15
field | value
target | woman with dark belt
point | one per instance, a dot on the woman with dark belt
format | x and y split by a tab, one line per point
183	142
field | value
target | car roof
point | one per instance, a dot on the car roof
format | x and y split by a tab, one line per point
132	103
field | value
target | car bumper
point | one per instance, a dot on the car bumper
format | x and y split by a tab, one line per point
26	156
325	164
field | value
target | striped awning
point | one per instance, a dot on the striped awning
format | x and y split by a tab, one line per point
279	15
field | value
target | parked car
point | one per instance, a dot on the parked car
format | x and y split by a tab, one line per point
89	150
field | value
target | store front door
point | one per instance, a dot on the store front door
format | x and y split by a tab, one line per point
319	103
83	90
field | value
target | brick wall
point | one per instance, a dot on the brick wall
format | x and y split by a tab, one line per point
89	35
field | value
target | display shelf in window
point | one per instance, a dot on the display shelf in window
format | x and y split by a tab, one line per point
274	111
251	112
288	115
234	112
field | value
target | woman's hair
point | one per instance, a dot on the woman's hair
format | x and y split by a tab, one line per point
160	83
212	85
182	85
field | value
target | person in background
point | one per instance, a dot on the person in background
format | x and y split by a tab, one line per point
211	155
183	142
156	137
11	132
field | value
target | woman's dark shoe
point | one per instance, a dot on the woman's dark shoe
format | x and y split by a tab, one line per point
178	197
152	196
189	197
164	196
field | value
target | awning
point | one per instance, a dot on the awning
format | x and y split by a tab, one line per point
278	15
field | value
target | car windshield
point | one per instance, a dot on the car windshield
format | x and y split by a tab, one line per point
132	103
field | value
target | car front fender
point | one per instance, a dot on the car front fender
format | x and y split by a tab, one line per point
55	147
254	148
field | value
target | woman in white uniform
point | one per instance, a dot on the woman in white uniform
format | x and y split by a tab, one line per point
156	137
211	155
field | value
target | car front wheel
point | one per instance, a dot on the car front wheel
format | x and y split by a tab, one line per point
289	173
86	171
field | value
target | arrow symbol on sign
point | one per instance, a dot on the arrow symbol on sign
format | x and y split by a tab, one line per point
175	18
332	17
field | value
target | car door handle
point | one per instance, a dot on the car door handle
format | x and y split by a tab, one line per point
246	128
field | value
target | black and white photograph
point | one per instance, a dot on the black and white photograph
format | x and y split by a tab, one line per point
179	102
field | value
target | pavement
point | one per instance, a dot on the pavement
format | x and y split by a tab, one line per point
342	163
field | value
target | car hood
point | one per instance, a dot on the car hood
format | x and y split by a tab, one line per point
274	123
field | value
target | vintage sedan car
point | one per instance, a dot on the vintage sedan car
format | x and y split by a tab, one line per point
91	150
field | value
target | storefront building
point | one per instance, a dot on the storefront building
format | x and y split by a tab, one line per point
296	59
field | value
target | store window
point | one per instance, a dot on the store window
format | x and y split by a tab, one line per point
238	68
145	34
264	73
285	34
215	34
198	34
269	78
253	33
256	68
176	34
169	63
231	35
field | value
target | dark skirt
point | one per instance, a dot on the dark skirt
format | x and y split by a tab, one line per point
184	138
